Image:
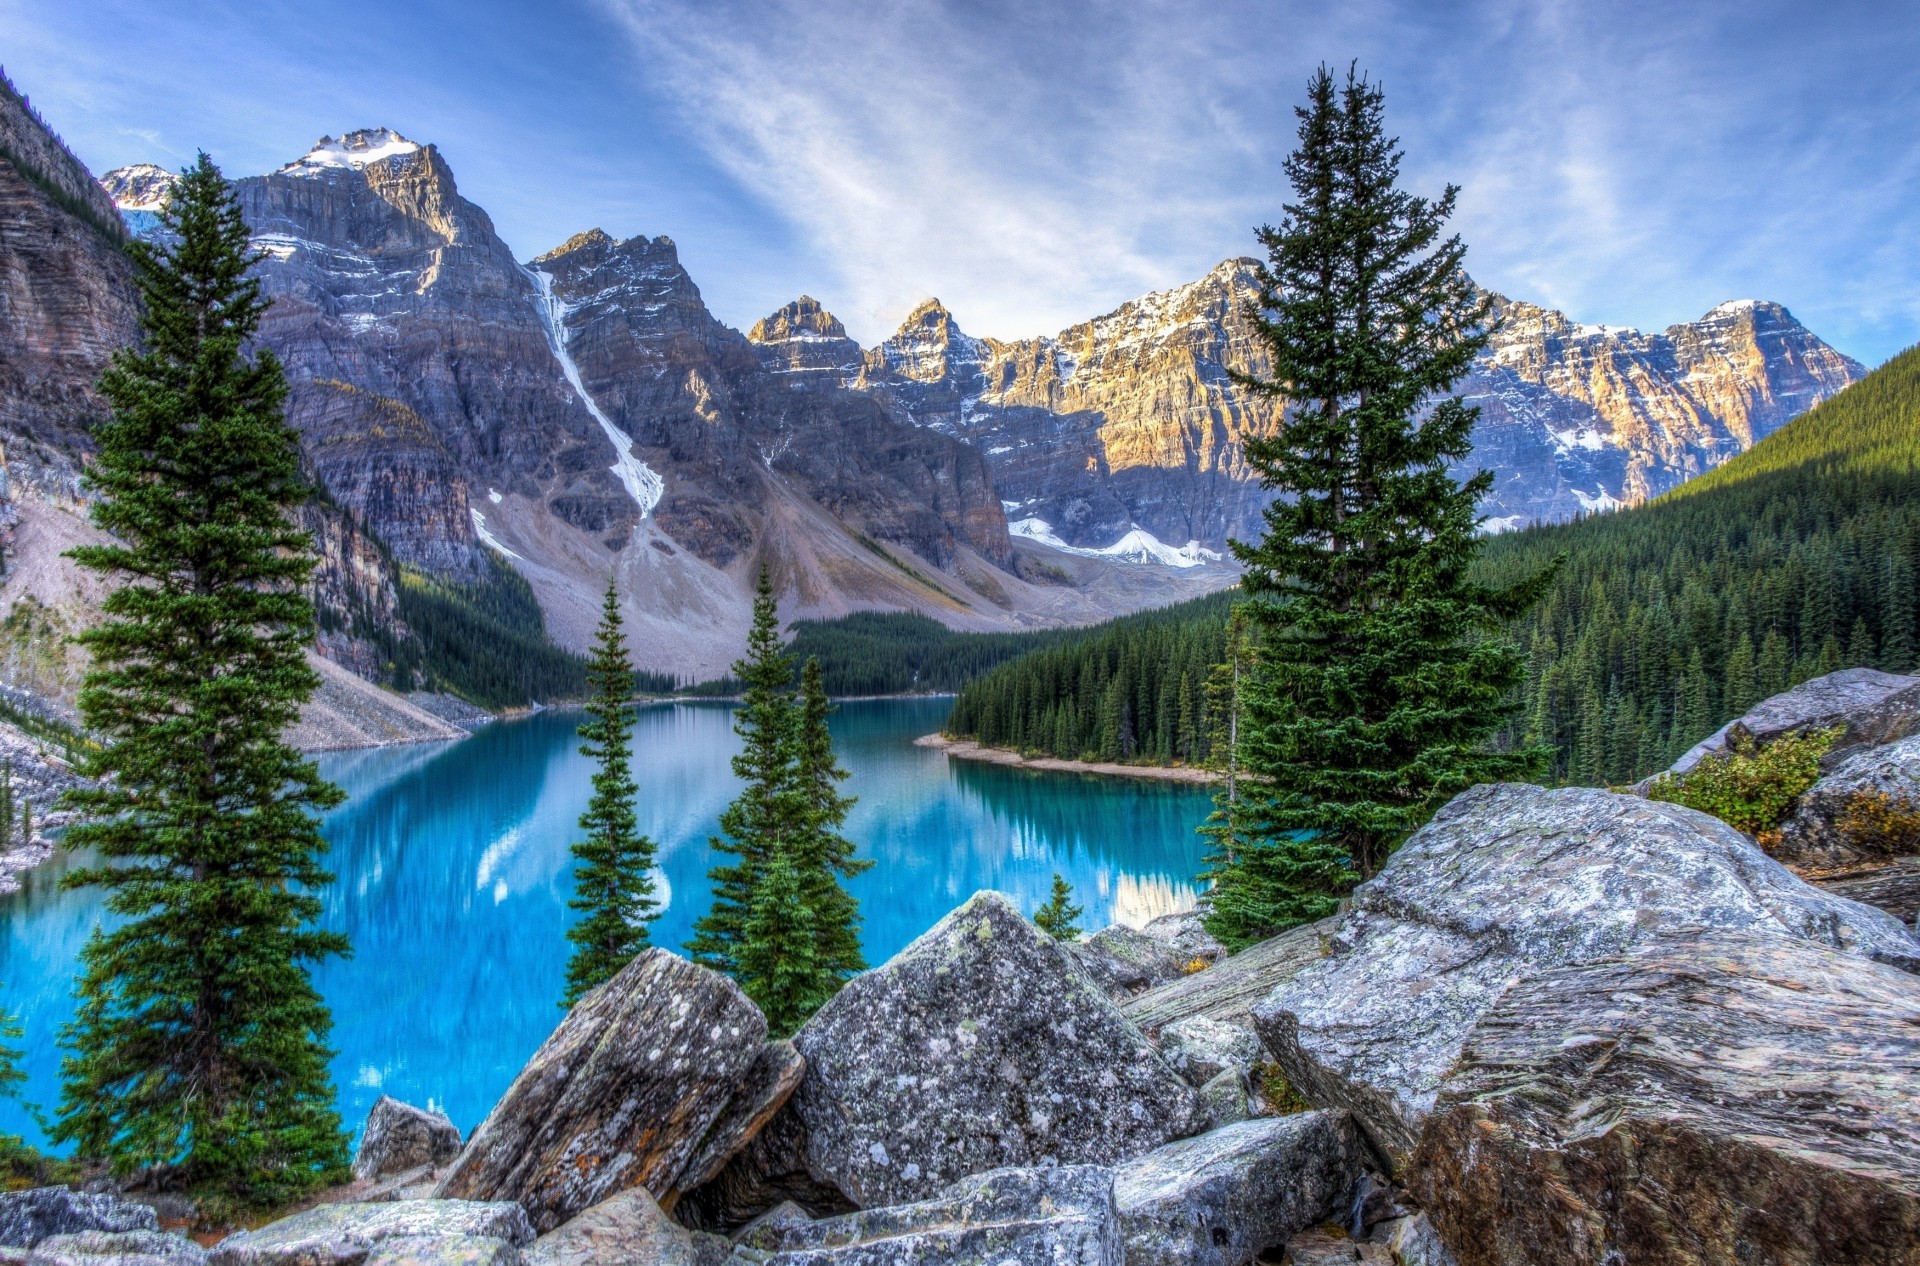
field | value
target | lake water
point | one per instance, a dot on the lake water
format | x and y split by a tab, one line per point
452	876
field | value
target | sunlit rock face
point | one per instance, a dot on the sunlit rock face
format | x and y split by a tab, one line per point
1135	421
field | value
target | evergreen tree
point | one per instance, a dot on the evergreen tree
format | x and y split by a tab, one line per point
768	809
199	1040
1382	672
825	857
11	1077
1059	917
612	881
779	960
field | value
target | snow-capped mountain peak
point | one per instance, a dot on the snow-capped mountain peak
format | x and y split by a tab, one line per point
354	149
140	186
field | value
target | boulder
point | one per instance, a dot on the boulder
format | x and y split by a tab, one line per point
1413	1242
1816	836
345	1234
27	1217
1058	1216
769	1171
1894	887
623	1094
1226	1099
399	1137
628	1230
118	1248
1200	1048
1185	933
1505	881
1874	707
767	1085
1126	961
1724	1098
1222	1198
1329	1246
1228	990
979	1046
443	1250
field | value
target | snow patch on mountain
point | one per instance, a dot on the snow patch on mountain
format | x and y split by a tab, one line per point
1137	546
642	482
354	149
487	538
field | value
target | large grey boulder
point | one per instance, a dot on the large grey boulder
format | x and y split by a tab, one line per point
1222	1198
769	1171
346	1234
1872	706
27	1217
1506	881
1815	836
1126	961
118	1248
1723	1098
1058	1216
1228	990
399	1137
628	1230
763	1090
443	1250
1185	933
623	1094
1893	887
981	1045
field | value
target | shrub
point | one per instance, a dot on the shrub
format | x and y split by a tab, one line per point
1750	787
1281	1098
1878	823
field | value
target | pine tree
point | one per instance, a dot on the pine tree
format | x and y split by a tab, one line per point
825	857
767	810
199	1040
1059	917
1382	672
778	961
612	882
11	1076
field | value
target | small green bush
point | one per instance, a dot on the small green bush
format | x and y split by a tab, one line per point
1880	824
1750	787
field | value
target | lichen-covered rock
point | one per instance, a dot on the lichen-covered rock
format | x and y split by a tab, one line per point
621	1095
1126	961
1816	836
399	1137
1228	990
1413	1242
1893	887
1718	1099
1059	1216
118	1248
1226	1099
443	1250
27	1217
1185	933
344	1234
1223	1197
765	1088
1328	1246
1200	1048
1872	706
1505	881
628	1230
981	1045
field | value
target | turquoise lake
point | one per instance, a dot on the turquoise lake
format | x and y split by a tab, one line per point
452	876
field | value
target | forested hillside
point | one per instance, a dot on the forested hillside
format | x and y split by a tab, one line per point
1131	689
1789	561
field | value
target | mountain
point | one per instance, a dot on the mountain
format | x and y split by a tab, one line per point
1130	428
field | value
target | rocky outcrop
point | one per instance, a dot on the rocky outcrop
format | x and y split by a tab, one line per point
118	1248
626	1229
1504	882
980	1045
28	1217
1201	1048
804	338
1222	1198
1865	811
1008	1217
1228	990
399	1137
623	1094
1126	961
1868	706
1893	887
1718	1099
444	1231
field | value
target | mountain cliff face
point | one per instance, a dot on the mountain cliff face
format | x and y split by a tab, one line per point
1130	426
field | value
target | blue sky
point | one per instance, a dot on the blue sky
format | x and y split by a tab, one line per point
1033	164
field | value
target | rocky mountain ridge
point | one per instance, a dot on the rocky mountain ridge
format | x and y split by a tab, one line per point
1131	425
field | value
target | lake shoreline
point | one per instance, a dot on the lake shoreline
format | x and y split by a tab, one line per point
967	749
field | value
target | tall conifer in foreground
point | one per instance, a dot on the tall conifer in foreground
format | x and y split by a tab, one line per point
767	809
199	1041
612	879
1381	672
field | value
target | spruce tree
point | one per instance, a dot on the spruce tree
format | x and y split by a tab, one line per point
825	857
768	808
1381	673
1059	917
199	1040
612	880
